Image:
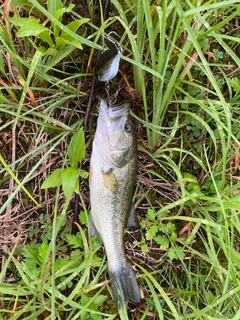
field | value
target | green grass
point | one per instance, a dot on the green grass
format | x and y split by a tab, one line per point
181	61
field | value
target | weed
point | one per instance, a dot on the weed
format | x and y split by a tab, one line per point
181	60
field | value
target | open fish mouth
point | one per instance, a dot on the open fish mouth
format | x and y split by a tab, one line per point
113	112
118	111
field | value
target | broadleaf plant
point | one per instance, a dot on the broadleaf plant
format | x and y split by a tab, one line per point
68	177
162	235
55	38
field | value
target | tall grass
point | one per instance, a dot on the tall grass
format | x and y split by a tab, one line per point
161	47
171	48
185	65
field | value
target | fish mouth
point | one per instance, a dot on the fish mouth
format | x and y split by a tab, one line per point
113	112
118	111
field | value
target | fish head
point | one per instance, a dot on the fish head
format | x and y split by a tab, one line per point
118	141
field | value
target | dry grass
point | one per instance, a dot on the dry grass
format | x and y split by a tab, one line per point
188	177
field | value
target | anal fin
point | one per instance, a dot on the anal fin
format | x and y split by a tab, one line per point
93	229
132	219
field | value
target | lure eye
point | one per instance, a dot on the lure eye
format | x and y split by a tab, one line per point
128	127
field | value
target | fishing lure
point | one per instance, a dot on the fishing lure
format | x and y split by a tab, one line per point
108	62
107	65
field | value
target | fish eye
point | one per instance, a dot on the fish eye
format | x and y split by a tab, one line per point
128	127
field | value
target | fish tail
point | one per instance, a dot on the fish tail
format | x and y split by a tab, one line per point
124	285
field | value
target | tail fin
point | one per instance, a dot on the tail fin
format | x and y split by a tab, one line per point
124	285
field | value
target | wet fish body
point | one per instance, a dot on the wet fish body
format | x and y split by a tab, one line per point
112	177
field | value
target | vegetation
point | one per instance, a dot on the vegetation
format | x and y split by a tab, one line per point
181	71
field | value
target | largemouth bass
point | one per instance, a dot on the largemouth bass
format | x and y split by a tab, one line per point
112	177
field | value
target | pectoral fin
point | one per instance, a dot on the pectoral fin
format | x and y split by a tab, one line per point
110	180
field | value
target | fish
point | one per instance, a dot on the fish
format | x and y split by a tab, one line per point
113	168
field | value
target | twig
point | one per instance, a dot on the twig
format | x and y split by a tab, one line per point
89	105
10	190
